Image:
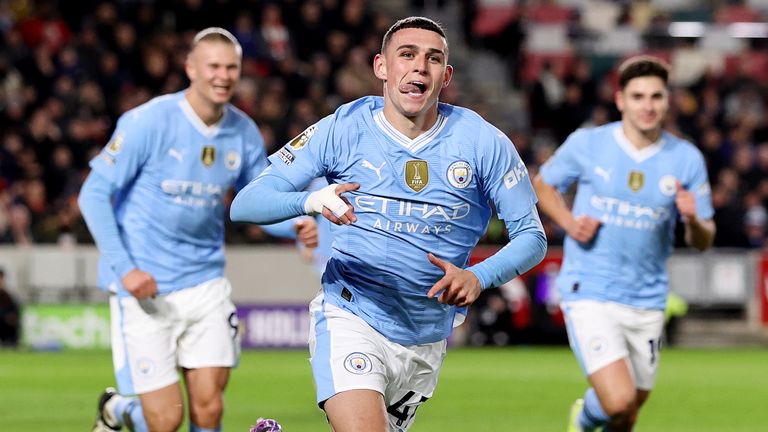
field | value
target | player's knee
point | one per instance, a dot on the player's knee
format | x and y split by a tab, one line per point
207	412
169	420
620	406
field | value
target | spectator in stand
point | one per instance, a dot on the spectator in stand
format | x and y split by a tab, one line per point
10	316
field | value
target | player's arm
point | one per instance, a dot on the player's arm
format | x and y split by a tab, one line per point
582	228
270	199
95	205
526	248
699	233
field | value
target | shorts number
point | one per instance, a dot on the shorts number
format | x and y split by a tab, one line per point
234	323
655	345
404	416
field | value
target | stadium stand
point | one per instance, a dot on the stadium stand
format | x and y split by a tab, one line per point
68	70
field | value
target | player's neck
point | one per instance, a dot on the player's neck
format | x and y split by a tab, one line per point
640	139
411	127
209	113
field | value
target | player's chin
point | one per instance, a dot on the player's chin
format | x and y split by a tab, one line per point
220	97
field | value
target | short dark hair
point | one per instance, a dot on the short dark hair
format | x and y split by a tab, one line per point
417	22
642	66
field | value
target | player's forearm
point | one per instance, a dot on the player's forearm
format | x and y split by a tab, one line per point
95	205
526	248
552	204
700	234
267	200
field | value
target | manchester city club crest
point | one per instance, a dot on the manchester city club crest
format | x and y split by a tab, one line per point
232	160
636	180
358	363
416	174
459	174
668	185
208	156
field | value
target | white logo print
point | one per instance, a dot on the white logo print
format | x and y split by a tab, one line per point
370	166
606	175
172	152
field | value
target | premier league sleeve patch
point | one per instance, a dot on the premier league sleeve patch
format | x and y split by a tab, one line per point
459	174
115	145
286	156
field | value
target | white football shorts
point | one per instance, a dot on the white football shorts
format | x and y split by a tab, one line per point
348	354
191	328
603	332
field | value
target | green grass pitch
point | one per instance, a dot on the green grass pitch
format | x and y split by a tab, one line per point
499	389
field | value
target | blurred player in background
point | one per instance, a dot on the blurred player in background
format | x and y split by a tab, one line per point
154	202
410	184
633	182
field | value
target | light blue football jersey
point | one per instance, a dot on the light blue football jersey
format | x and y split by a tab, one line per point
632	192
429	194
171	172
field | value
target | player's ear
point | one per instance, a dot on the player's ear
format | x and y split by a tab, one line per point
189	68
617	98
447	75
380	67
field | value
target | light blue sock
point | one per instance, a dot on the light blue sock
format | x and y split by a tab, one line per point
195	428
129	413
592	415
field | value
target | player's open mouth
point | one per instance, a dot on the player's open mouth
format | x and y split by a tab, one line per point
413	88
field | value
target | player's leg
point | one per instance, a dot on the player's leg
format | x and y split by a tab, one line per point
143	353
347	366
205	392
614	388
597	341
208	347
163	409
356	411
644	336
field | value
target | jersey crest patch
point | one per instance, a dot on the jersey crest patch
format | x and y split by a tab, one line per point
668	185
636	180
115	144
233	160
416	174
358	363
208	156
301	140
459	174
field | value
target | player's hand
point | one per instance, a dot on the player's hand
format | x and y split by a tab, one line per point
583	228
140	284
329	202
685	203
306	232
460	287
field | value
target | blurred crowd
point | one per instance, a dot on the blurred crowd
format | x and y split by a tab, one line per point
69	69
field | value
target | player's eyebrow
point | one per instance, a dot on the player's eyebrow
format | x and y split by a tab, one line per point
416	48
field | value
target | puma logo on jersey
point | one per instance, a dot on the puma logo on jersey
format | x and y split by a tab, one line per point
606	175
370	166
172	152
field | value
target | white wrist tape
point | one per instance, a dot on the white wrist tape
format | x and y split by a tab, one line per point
325	197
